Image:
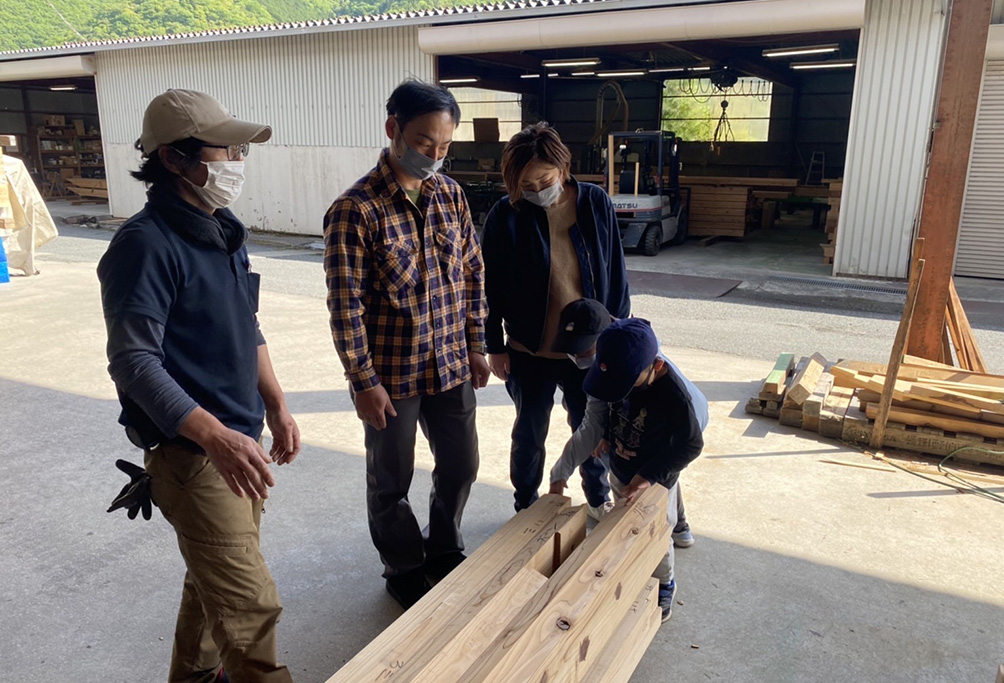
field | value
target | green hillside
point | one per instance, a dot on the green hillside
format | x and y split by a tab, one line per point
38	23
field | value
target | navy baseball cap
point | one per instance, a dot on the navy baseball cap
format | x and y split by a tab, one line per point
623	351
579	325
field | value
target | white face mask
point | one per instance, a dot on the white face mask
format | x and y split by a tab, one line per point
583	363
223	186
546	197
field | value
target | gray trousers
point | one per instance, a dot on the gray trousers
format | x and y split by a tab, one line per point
447	420
664	572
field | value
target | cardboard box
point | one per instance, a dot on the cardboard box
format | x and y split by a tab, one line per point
55	120
78	125
486	130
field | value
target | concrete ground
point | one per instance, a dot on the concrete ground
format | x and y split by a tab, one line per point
802	570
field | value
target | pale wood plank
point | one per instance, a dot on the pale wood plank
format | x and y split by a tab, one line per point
622	654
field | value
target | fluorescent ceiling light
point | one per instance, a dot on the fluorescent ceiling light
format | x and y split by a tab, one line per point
583	73
458	81
62	88
529	75
667	70
700	68
620	74
845	64
582	61
553	75
807	50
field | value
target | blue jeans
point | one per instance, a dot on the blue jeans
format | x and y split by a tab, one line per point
531	384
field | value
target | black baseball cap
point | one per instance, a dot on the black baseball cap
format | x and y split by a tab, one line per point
623	351
579	325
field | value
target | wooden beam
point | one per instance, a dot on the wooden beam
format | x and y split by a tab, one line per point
453	657
805	381
622	654
957	314
813	406
857	429
962	73
921	372
831	417
406	647
568	622
899	345
773	386
922	418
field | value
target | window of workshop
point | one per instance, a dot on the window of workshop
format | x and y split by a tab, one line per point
479	103
692	108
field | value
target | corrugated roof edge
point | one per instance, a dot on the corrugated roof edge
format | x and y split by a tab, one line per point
444	15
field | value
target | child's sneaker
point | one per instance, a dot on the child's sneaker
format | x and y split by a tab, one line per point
599	512
683	539
667	593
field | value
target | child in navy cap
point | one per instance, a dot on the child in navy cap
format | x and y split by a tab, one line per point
649	424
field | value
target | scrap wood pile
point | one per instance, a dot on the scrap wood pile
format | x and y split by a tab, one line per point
538	601
936	409
912	403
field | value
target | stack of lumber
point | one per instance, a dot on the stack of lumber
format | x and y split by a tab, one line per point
91	188
936	409
538	601
718	210
832	218
720	206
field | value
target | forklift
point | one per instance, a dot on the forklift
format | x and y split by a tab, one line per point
651	209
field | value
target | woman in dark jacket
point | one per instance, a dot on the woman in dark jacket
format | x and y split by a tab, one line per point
551	241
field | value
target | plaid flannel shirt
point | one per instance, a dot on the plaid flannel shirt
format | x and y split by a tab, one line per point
405	286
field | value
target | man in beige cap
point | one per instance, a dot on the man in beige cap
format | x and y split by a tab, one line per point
195	382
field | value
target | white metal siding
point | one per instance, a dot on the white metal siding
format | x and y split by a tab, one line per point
323	90
323	94
894	96
981	235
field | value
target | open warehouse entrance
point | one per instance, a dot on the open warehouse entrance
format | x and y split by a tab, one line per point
50	107
756	129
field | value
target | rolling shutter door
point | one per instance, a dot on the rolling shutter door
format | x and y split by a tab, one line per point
981	234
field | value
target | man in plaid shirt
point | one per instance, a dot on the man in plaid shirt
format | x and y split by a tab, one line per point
406	297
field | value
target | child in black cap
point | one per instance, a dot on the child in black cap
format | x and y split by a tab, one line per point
649	425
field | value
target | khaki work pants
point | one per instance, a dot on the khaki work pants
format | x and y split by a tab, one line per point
229	604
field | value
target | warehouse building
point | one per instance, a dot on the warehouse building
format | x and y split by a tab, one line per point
829	103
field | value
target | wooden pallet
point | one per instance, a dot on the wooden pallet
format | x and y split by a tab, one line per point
539	601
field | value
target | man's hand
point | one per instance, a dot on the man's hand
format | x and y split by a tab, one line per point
601	448
635	488
480	371
285	435
373	406
558	486
241	462
499	363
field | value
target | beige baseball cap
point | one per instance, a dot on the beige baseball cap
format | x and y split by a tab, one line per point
180	114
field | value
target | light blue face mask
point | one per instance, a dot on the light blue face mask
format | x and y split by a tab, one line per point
416	164
546	197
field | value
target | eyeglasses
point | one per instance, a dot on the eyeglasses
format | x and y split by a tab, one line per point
234	152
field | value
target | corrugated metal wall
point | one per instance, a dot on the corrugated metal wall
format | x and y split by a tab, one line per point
317	90
323	94
894	96
981	234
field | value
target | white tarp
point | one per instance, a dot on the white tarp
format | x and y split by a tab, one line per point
26	224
